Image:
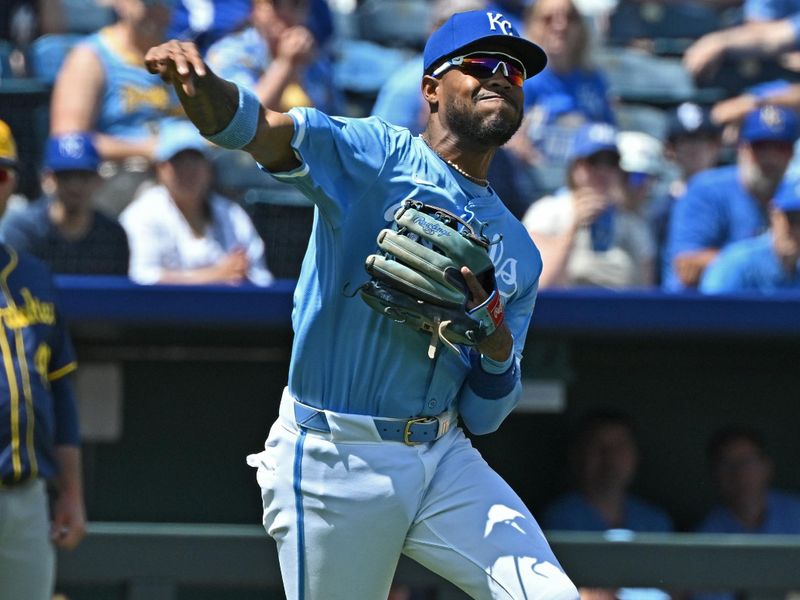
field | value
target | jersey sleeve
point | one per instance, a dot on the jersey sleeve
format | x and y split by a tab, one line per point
488	398
341	159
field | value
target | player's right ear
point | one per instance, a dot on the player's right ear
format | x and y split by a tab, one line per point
430	89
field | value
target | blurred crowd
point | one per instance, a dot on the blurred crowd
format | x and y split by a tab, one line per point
656	151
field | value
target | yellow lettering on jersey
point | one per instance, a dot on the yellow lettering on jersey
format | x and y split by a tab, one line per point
41	359
32	312
156	97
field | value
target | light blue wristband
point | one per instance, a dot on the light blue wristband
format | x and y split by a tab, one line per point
244	124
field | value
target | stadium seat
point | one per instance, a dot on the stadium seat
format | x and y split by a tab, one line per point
635	75
87	16
46	55
667	29
399	23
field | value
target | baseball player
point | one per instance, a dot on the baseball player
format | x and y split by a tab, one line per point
366	461
39	422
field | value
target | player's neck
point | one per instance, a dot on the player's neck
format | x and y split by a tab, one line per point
472	164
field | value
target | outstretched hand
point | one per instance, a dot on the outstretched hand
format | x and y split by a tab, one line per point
176	62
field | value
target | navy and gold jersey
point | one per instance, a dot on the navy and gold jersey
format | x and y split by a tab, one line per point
37	405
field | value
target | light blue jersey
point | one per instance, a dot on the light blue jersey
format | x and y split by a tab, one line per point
715	210
134	101
749	266
770	10
346	357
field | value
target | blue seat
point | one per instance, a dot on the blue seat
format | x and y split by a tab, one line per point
47	52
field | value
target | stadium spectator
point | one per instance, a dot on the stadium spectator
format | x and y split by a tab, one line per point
40	441
743	472
585	233
767	263
604	459
103	88
180	231
729	203
693	144
278	58
63	229
567	94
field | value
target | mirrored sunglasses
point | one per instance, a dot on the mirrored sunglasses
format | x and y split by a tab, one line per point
484	65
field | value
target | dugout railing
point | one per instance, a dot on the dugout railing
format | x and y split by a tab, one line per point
144	561
198	372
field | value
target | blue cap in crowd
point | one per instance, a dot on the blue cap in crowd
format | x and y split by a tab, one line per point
177	136
787	198
592	138
770	123
71	152
464	31
689	120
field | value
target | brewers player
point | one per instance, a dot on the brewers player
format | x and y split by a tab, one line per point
347	483
38	419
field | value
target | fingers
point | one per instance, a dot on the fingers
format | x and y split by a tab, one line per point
176	61
476	291
67	535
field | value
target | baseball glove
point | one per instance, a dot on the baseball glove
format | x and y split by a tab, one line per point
416	279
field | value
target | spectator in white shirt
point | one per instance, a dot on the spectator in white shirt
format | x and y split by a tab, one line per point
182	232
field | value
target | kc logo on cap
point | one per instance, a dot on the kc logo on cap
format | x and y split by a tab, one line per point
504	24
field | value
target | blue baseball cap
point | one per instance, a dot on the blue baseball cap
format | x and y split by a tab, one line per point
691	120
770	123
467	31
787	198
592	138
178	136
71	152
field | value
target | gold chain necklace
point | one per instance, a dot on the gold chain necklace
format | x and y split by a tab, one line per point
472	178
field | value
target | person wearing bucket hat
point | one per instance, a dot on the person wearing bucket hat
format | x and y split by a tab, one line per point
181	231
39	435
767	263
729	203
585	233
63	228
367	430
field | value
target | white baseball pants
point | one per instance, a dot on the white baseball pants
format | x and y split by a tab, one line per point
343	506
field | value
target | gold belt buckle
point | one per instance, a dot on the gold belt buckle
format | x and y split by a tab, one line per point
407	430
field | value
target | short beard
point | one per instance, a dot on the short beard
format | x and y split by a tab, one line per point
491	131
